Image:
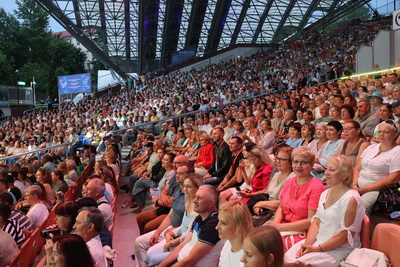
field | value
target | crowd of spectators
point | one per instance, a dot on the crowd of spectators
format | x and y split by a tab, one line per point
302	148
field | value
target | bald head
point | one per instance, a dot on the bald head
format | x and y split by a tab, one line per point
96	188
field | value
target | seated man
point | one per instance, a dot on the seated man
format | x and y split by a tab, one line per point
150	219
222	158
203	246
16	215
11	227
173	219
38	212
88	225
235	145
95	189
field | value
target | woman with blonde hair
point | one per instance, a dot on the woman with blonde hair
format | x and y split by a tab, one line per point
264	166
336	226
234	223
299	199
173	237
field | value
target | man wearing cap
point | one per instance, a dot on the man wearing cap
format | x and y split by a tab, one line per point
396	109
376	101
365	118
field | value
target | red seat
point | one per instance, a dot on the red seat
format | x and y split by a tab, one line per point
386	238
72	193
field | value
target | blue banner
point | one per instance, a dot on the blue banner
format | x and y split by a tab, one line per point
183	54
72	84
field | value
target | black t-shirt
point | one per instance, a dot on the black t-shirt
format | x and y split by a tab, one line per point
205	230
16	192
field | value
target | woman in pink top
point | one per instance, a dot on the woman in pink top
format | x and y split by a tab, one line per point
299	199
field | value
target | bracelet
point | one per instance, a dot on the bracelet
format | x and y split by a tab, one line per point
320	248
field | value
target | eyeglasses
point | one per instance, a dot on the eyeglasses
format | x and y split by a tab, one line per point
177	163
348	128
302	163
281	159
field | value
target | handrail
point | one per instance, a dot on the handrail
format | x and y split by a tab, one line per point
39	106
34	151
186	114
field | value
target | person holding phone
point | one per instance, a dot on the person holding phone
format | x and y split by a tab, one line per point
58	183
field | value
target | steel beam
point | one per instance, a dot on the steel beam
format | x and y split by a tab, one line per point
239	24
217	25
79	35
262	21
196	22
283	20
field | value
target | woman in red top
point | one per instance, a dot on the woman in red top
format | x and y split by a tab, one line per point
264	166
206	155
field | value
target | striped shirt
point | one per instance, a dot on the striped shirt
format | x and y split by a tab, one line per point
15	231
21	219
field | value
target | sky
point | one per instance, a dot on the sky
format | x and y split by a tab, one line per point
9	6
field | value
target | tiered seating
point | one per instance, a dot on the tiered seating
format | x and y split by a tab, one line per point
30	248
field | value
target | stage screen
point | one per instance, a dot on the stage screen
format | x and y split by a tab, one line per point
73	84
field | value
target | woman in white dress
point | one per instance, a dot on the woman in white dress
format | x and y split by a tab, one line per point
335	228
234	224
378	166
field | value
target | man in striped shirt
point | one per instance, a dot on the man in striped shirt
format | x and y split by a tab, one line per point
11	227
16	215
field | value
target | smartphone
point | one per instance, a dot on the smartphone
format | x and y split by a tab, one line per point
60	197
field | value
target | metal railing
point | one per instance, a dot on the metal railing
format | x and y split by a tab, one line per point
187	114
8	158
38	107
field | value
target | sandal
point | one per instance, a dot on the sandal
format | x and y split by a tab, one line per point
126	204
133	205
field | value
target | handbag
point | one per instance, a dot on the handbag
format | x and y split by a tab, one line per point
253	200
364	257
388	200
265	214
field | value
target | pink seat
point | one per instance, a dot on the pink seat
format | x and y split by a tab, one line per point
386	239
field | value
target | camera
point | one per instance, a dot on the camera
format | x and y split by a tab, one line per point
46	232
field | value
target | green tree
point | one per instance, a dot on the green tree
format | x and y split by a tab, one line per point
363	13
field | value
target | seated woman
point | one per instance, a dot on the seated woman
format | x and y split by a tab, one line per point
333	133
284	163
378	166
299	199
173	237
206	155
68	250
263	165
43	176
66	215
335	228
267	139
307	133
234	223
295	135
263	247
250	133
316	145
355	143
386	114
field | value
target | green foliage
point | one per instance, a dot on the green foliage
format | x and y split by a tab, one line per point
27	44
363	13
